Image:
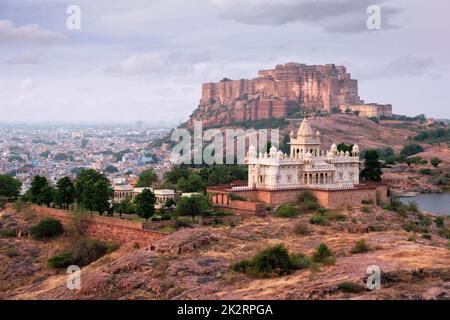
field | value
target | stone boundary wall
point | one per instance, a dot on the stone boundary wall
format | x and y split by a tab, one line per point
152	225
342	198
223	219
244	207
331	199
105	228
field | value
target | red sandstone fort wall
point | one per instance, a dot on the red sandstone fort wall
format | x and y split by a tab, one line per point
106	228
283	89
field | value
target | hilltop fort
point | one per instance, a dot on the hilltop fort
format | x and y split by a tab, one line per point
283	91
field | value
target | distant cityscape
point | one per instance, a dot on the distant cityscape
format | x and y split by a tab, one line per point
55	151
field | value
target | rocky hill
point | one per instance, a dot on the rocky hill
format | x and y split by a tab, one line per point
195	263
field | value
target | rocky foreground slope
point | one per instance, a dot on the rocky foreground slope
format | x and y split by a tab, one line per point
194	263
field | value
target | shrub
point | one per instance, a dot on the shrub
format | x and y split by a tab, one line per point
426	172
435	162
307	200
181	223
19	205
412	238
323	254
86	251
165	217
440	222
309	205
426	236
272	261
412	207
444	232
242	266
62	260
319	219
11	251
111	247
360	247
9	233
368	201
79	219
302	229
47	228
366	209
322	216
300	261
306	195
286	211
222	213
350	287
424	220
412	226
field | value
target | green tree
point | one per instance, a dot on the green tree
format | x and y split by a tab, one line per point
64	193
268	146
344	147
9	187
126	206
147	178
176	173
47	195
102	196
39	191
170	203
285	147
93	190
194	183
410	150
372	167
435	162
192	206
223	174
145	204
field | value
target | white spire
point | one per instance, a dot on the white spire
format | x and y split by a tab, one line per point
305	129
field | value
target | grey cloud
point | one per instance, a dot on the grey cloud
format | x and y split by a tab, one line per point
175	63
409	66
28	33
346	16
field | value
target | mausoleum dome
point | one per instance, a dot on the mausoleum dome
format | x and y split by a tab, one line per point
355	149
305	129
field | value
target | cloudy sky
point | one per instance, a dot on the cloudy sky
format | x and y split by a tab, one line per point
146	60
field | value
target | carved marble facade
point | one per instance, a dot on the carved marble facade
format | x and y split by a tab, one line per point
307	166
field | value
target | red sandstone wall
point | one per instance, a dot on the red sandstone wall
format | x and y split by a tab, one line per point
315	87
331	199
244	207
107	229
342	198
